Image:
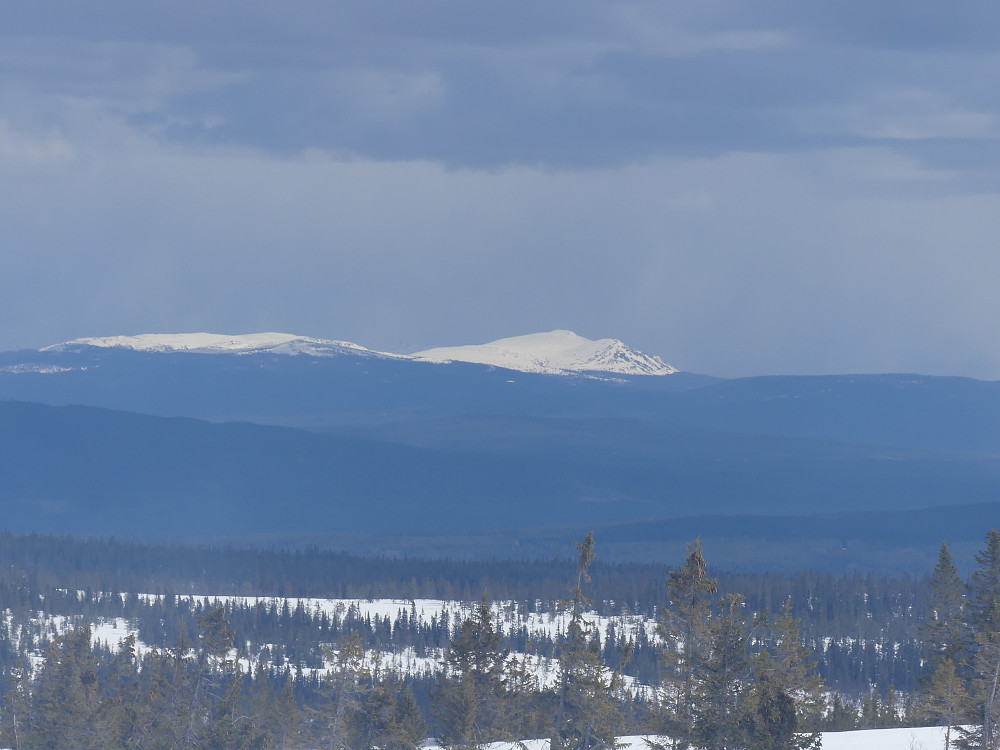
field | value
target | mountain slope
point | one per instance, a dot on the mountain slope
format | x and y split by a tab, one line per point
555	352
213	343
346	385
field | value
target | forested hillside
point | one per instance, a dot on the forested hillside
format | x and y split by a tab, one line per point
310	645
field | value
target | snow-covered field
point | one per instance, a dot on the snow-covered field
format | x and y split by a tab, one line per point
508	616
917	738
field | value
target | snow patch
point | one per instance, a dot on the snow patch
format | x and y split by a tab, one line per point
911	738
556	352
38	369
215	343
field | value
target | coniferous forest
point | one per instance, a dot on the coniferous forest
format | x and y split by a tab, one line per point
227	648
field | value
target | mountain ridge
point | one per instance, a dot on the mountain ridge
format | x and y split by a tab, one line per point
554	352
559	352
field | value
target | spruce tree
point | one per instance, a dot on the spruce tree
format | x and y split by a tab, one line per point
65	697
984	618
784	675
722	698
215	639
944	698
389	719
943	632
587	713
684	631
16	720
842	717
230	726
345	687
472	701
943	694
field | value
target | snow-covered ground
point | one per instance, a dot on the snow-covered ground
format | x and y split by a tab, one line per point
911	738
508	615
111	632
917	738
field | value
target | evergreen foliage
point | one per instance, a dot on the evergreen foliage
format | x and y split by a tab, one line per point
984	659
684	632
588	714
727	674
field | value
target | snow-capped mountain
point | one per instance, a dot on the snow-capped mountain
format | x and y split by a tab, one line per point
555	352
552	353
214	343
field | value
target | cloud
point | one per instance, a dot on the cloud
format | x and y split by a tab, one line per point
740	188
568	85
739	264
30	150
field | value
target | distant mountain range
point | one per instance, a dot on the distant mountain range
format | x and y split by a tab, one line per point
530	433
553	353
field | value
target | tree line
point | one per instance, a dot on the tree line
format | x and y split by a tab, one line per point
725	671
961	638
729	681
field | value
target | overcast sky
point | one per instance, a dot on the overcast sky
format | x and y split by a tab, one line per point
739	187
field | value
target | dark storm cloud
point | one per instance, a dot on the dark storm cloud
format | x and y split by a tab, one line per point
739	187
488	84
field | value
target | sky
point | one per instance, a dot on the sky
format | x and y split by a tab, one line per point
742	188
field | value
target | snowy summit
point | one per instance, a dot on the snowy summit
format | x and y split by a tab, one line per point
216	343
555	352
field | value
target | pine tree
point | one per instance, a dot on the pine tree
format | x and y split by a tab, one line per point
945	698
785	677
684	630
943	693
345	684
984	618
230	727
522	692
215	639
389	718
472	701
587	713
162	706
455	708
722	697
64	697
16	720
943	633
410	728
841	717
771	722
120	692
273	705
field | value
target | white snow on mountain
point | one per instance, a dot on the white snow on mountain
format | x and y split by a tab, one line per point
555	352
214	343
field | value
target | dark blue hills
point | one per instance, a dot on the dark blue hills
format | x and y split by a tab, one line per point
97	471
268	446
901	410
